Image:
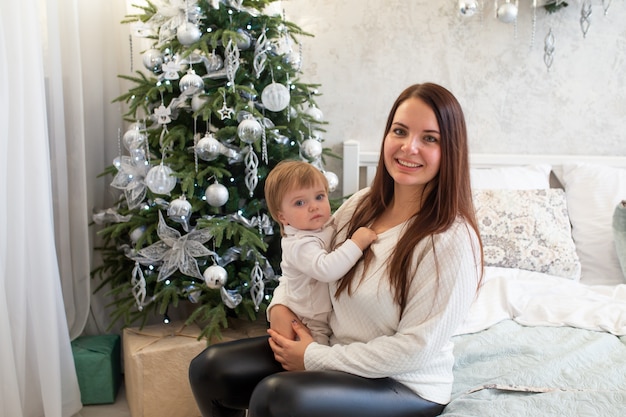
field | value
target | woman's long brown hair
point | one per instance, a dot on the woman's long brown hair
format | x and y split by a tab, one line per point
449	193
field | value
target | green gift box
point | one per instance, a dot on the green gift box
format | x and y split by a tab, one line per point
97	361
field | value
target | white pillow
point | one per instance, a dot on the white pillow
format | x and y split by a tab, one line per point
593	191
527	229
527	177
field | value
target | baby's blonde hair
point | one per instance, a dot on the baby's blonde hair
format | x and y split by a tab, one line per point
286	176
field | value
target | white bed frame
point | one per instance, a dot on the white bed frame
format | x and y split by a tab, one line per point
359	166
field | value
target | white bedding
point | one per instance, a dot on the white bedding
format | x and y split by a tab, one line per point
536	299
540	345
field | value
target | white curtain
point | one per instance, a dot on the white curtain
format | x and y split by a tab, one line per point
59	61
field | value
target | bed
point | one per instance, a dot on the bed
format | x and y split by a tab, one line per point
546	335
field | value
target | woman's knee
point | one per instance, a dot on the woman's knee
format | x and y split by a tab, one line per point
273	396
205	368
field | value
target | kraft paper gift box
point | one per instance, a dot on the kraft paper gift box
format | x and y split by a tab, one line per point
98	368
156	366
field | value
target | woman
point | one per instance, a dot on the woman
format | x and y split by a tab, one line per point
395	312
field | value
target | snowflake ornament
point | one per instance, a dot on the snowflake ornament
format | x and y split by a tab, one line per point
176	252
131	176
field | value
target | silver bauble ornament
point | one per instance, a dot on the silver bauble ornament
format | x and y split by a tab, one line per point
315	113
160	179
214	62
468	8
275	97
153	60
216	195
188	34
179	210
311	149
507	13
134	139
190	83
215	277
249	130
333	180
208	148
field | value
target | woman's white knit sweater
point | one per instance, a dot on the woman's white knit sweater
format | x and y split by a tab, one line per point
370	339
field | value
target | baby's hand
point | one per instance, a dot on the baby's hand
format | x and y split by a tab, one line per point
364	237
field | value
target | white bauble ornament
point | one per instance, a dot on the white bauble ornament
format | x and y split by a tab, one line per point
215	277
179	210
153	60
188	34
160	179
315	113
311	149
249	130
198	101
333	180
275	97
216	195
191	83
468	8
134	139
208	148
507	13
136	233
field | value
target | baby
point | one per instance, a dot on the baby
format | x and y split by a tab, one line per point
296	193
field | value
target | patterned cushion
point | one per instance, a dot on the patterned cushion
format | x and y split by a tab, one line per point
527	229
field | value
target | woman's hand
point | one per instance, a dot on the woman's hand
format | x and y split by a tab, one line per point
290	353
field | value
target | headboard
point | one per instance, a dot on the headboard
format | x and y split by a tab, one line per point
359	166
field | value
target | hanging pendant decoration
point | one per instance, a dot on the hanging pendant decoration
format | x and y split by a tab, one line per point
251	173
257	290
225	112
548	55
232	62
138	282
585	17
260	54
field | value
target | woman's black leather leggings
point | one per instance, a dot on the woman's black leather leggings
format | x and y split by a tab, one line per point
228	378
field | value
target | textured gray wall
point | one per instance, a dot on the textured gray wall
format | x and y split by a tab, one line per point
364	52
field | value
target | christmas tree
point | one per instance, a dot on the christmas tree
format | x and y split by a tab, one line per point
218	104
